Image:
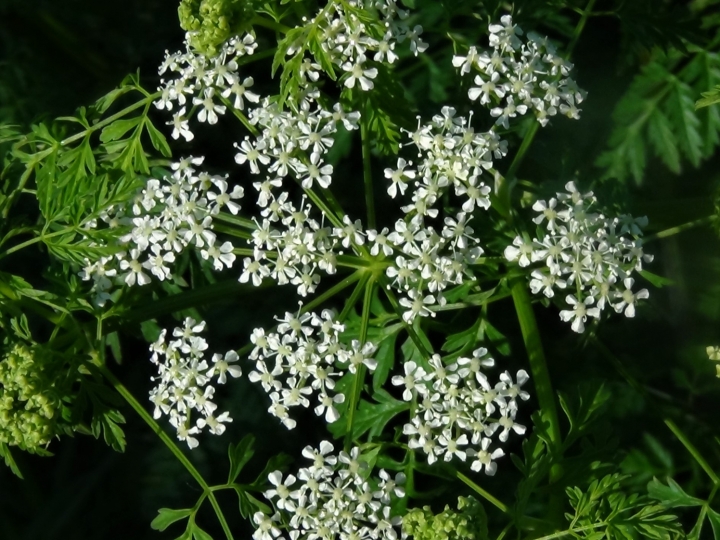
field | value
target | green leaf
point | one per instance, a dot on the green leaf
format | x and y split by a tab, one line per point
371	417
664	141
709	98
275	463
104	103
167	517
497	338
671	495
157	139
657	281
462	339
385	358
113	341
239	455
686	122
714	519
582	411
106	422
246	507
199	534
118	128
6	454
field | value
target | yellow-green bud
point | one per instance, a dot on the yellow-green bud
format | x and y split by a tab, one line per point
212	22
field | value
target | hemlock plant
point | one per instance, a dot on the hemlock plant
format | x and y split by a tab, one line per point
374	348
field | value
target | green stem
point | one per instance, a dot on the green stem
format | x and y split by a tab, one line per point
323	207
672	231
236	220
573	532
367	172
524	147
269	23
350	303
32	241
484	494
427	354
232	231
693	451
164	437
580	27
240	116
360	371
506	184
536	357
474	300
111	119
324	297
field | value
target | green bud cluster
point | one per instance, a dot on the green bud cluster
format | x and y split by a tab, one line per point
212	22
467	523
29	400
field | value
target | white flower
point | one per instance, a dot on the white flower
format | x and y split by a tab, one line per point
180	126
412	373
134	270
315	171
359	73
210	110
221	366
484	458
579	312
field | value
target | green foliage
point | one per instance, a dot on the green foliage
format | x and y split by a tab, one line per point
710	97
605	510
468	522
658	112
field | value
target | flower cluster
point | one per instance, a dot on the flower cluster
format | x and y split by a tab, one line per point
30	400
206	83
347	39
517	77
425	262
584	252
458	407
167	216
288	244
183	384
450	154
305	356
332	498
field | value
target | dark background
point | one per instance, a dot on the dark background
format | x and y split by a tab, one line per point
58	55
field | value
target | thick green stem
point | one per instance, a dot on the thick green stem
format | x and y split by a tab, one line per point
165	438
484	494
536	357
367	173
694	452
672	231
